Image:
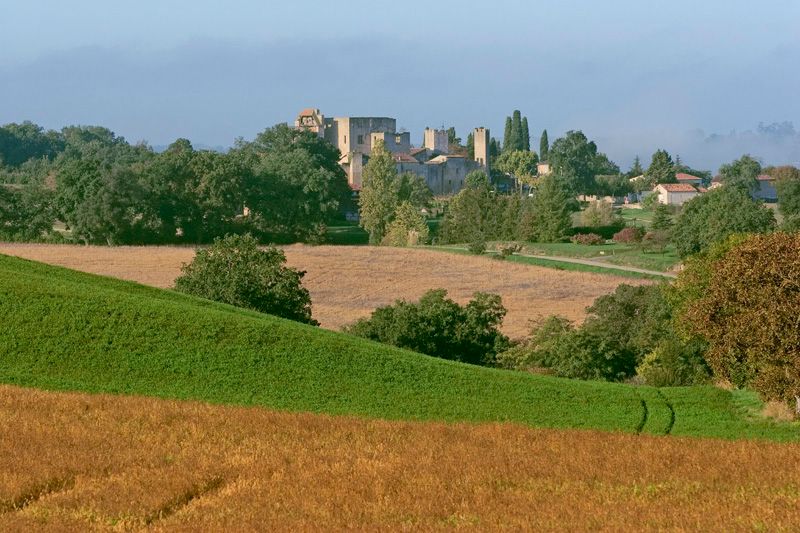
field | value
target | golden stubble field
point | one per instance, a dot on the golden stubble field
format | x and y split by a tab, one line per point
78	462
349	282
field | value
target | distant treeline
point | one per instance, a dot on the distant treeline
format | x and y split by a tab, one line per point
283	186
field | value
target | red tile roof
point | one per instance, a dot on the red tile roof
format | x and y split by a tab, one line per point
677	187
404	158
307	112
765	177
682	176
415	151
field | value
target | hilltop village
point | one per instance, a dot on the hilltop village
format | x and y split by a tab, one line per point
355	137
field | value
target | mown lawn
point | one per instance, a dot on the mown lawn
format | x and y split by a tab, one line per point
67	330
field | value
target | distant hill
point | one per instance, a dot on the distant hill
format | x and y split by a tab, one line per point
66	330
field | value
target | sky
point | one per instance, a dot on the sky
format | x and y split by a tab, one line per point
694	77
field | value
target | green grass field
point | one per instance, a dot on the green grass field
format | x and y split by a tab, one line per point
66	330
618	254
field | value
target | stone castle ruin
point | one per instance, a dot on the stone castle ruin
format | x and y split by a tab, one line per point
443	171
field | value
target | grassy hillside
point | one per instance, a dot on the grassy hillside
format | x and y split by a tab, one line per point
63	329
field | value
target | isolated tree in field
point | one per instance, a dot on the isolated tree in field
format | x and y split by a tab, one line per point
408	227
379	193
744	299
438	326
544	146
712	217
235	271
662	168
549	218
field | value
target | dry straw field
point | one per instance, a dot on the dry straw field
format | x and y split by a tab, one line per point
348	282
77	462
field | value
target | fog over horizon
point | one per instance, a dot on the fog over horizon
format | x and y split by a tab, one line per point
706	82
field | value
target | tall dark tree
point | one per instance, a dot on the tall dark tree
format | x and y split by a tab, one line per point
576	160
549	217
471	146
544	147
636	168
661	169
494	149
525	134
453	139
508	133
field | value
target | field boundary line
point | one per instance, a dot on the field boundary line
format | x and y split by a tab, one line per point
37	492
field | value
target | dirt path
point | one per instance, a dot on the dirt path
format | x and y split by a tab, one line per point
348	282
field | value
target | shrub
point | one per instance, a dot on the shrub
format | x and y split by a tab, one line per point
655	241
606	232
408	228
675	363
235	271
477	246
591	239
629	235
438	326
598	213
539	351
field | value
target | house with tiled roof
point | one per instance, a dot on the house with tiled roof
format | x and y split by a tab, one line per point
675	193
682	177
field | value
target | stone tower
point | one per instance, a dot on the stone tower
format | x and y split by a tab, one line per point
481	143
436	140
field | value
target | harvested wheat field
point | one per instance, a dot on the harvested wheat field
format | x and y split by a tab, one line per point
348	282
75	462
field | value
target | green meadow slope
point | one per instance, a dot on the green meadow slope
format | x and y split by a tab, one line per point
66	330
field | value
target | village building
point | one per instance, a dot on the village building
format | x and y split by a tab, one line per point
355	138
682	177
766	190
675	193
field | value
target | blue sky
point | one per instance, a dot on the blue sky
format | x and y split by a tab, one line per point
634	75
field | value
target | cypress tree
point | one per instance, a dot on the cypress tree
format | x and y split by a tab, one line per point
507	134
526	135
544	147
494	150
516	130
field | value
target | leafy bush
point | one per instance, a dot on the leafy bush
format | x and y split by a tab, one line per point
629	235
591	239
438	326
675	363
655	241
477	246
235	271
408	227
606	232
621	329
598	213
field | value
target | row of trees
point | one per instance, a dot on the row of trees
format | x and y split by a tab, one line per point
287	182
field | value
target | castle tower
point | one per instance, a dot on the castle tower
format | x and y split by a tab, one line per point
436	140
481	142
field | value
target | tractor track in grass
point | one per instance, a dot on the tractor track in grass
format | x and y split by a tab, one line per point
671	412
